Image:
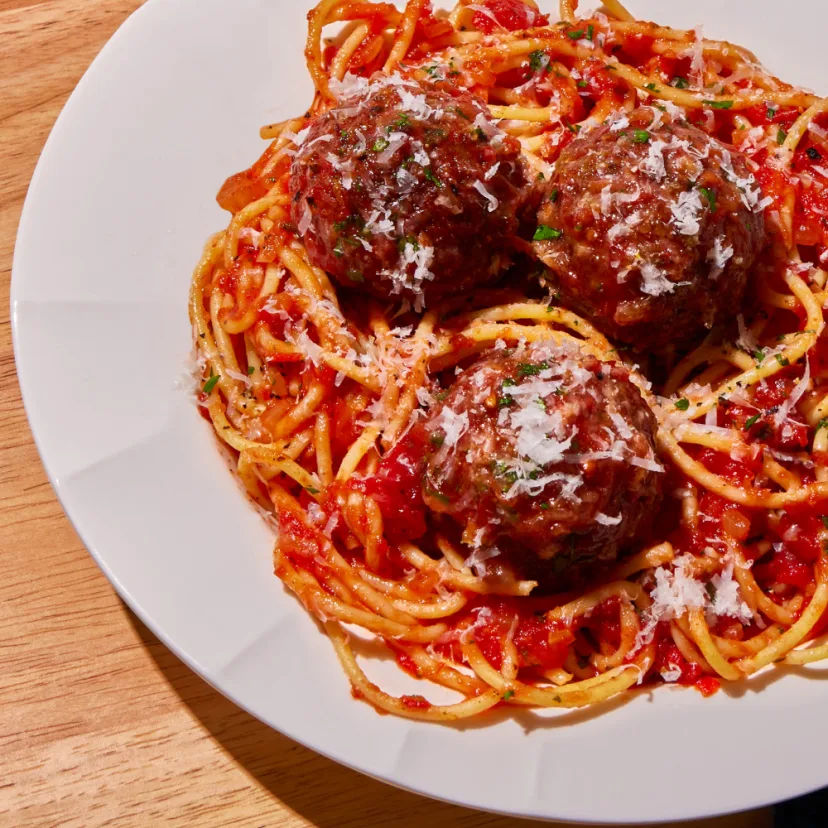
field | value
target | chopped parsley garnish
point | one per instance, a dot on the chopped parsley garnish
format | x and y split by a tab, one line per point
545	233
508	382
250	371
641	136
679	82
480	135
405	241
429	174
576	35
402	122
582	84
461	113
553	196
751	421
540	177
211	383
433	71
311	490
823	423
531	369
355	276
590	31
781	135
710	197
783	361
771	113
508	695
545	506
682	404
536	59
380	144
439	495
652	87
504	402
813	154
718	104
759	356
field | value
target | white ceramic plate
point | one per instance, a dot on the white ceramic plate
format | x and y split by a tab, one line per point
118	210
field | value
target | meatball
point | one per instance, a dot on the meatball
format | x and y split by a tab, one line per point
649	228
546	449
408	191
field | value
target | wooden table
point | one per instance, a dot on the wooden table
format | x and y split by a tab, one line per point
99	723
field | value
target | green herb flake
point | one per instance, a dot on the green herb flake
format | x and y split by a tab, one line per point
781	135
508	695
641	136
759	356
380	144
461	113
211	383
718	104
439	495
311	490
576	35
536	59
582	84
783	361
250	371
710	197
751	421
429	174
546	233
590	31
679	83
355	276
531	369
682	404
553	196
652	87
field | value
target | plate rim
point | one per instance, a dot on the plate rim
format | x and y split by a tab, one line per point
99	557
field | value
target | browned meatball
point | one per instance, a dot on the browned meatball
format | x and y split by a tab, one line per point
649	228
408	191
546	447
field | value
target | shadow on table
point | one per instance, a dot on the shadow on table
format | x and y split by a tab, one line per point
323	792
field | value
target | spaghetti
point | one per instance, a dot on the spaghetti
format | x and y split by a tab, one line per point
312	391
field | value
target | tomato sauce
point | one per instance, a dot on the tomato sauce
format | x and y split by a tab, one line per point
511	15
396	487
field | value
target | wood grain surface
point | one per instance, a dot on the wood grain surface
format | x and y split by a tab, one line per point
100	725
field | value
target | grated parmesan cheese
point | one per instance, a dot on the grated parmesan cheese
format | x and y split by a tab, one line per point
493	203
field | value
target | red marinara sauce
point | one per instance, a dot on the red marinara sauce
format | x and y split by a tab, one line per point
396	487
511	15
